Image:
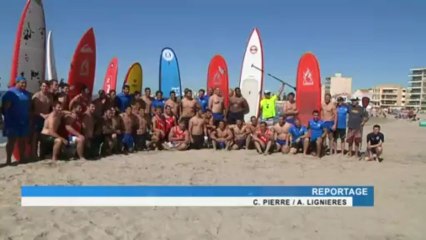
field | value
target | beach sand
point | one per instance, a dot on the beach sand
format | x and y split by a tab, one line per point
399	181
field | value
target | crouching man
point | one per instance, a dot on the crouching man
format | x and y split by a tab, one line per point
375	142
50	140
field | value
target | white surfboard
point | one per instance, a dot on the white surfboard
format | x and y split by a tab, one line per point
251	80
30	46
50	59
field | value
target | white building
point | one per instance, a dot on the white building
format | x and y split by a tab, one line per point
338	85
416	92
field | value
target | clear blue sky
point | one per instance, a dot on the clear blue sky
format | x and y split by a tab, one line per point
372	41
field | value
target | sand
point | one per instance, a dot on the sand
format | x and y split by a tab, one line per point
399	211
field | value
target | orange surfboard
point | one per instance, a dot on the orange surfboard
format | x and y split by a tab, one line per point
83	65
308	85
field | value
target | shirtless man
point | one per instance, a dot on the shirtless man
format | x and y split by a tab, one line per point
290	109
128	142
63	96
108	132
251	129
141	131
83	99
42	103
237	108
88	128
188	107
73	128
54	89
118	126
240	133
197	130
101	104
208	120
221	136
216	104
329	116
170	119
179	137
148	102
173	103
111	99
263	139
158	128
49	138
281	135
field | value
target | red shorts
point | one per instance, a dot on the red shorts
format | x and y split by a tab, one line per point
354	135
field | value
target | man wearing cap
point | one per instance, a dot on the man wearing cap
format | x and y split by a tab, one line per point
16	104
342	115
267	107
357	118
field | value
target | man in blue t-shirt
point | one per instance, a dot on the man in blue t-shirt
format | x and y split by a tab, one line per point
16	104
158	102
123	99
299	137
317	132
342	111
203	100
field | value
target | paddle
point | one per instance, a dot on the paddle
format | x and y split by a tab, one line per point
272	76
364	102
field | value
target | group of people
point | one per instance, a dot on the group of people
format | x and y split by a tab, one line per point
49	122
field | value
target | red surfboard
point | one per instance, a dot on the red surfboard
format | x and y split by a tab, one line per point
308	93
110	82
217	77
83	65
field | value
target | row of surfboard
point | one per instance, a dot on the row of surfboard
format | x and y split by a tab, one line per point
33	56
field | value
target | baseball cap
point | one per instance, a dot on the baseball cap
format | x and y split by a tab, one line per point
20	78
267	92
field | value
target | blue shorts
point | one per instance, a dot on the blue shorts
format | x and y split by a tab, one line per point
128	140
328	125
290	120
314	138
241	143
220	145
281	142
218	116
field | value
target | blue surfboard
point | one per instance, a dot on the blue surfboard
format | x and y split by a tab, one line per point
169	73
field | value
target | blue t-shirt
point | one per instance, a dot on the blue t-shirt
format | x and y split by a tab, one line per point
158	103
316	127
123	101
204	102
18	114
342	114
297	132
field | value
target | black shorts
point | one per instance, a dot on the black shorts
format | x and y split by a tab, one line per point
297	145
140	141
198	142
46	144
339	133
233	117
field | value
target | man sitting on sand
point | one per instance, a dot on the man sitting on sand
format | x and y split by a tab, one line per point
317	132
299	137
50	138
221	136
179	138
197	130
375	142
240	135
251	129
281	135
73	126
158	128
109	134
263	139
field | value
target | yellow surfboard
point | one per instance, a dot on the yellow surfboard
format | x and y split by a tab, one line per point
134	78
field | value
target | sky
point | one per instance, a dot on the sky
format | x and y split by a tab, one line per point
373	42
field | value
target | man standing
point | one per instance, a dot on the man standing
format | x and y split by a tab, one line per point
41	103
54	89
340	132
375	142
237	108
124	99
173	103
188	107
197	130
16	105
357	118
148	101
159	101
329	116
203	100
267	107
290	109
83	99
216	104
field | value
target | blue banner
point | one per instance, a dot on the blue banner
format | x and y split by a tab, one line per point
361	195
